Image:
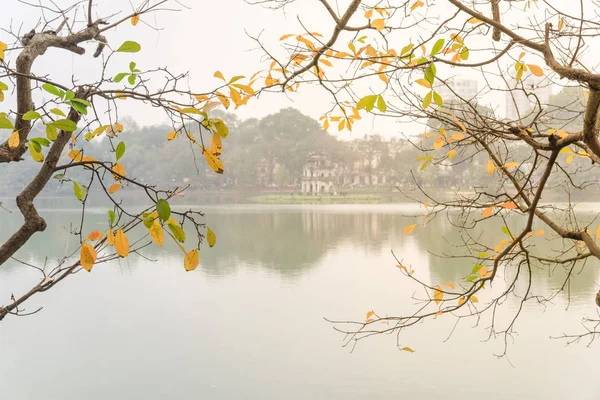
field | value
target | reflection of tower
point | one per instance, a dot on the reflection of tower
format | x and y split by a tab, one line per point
457	87
517	99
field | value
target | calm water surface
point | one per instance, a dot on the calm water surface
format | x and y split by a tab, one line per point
249	322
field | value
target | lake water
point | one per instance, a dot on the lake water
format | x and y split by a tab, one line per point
249	322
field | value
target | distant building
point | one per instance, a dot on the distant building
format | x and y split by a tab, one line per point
319	175
517	98
457	87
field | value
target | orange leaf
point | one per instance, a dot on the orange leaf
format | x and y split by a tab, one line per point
409	229
490	167
438	144
172	135
417	4
539	232
114	187
118	169
135	19
461	301
402	267
474	299
408	349
488	211
369	13
598	232
536	70
509	205
378	24
219	75
438	295
94	235
110	237
75	155
191	260
449	284
511	164
370	314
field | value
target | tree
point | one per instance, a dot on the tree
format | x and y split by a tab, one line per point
395	59
58	125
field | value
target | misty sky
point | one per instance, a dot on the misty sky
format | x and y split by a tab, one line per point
207	36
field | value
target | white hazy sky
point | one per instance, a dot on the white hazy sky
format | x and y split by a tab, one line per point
208	36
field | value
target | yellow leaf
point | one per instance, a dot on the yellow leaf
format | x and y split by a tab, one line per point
424	82
156	233
536	70
87	256
118	169
511	164
439	143
369	13
94	235
457	136
172	135
449	284
409	229
521	55
224	100
598	232
417	4
121	243
570	158
213	161
488	211
562	134
474	299
118	127
191	260
216	145
3	47
211	238
461	301
383	77
36	155
114	187
483	271
438	295
219	75
286	36
13	140
235	96
110	237
509	205
135	19
539	232
378	24
490	167
408	349
561	24
451	154
75	155
474	21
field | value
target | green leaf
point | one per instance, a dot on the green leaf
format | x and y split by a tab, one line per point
129	47
131	79
48	87
69	96
381	104
367	102
36	146
464	54
51	133
80	108
79	191
119	77
221	128
406	49
164	209
120	150
177	232
148	220
483	255
437	47
235	79
82	101
3	86
506	230
437	99
476	268
132	66
57	111
59	176
430	73
64	124
471	278
41	141
427	99
5	123
111	217
29	115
